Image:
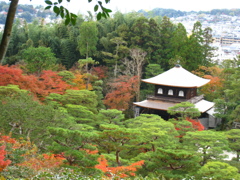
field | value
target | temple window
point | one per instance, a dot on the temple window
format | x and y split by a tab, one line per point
170	92
160	91
181	93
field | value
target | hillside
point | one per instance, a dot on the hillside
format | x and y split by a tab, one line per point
27	12
176	13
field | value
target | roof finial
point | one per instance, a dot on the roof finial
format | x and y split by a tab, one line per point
177	65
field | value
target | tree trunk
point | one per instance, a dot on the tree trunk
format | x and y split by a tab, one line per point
138	56
118	158
138	89
153	148
87	82
87	69
238	154
204	161
8	29
115	69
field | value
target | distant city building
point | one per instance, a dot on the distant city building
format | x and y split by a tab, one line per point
225	31
225	41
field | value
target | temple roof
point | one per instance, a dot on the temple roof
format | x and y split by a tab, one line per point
202	105
152	104
177	77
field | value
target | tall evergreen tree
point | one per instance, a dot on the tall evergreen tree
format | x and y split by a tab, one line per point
178	44
154	46
88	38
139	33
166	33
199	49
208	49
18	38
195	54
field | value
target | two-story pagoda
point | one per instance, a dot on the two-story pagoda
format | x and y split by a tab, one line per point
175	86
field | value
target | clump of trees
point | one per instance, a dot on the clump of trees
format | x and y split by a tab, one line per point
128	45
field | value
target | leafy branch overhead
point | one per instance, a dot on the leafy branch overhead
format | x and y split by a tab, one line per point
71	17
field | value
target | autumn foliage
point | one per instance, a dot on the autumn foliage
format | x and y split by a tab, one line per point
88	151
120	171
216	81
100	71
13	75
123	90
196	124
53	83
48	82
30	158
184	126
43	162
4	140
3	163
210	90
80	82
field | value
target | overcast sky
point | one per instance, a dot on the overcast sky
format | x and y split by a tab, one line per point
124	6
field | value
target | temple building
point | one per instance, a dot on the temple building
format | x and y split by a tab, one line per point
175	86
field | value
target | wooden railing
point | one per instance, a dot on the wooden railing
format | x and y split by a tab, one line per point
175	100
236	125
163	98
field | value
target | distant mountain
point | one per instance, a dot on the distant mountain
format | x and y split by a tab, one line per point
177	13
163	12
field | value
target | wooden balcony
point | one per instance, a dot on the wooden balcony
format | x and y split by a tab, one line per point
174	99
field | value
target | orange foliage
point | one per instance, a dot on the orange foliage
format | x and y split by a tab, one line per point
196	124
213	85
31	159
53	82
13	75
90	151
203	70
43	162
80	82
120	171
182	131
100	71
34	161
4	140
3	163
7	139
123	90
48	82
212	73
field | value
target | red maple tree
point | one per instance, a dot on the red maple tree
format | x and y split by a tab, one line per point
3	163
123	90
215	75
53	83
196	124
48	82
120	171
13	75
183	128
100	71
4	140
